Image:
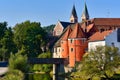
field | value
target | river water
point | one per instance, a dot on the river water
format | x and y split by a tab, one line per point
44	77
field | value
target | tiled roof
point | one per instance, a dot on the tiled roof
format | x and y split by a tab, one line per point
66	34
99	36
106	21
89	27
77	32
65	24
57	44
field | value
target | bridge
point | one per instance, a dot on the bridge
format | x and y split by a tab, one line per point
55	61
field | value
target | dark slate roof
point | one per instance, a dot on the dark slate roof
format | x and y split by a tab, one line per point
74	12
85	12
65	24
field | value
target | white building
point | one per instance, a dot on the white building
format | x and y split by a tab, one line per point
57	52
108	38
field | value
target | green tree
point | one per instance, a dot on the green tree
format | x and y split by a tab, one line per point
3	28
19	62
13	75
43	67
49	29
7	44
100	63
30	37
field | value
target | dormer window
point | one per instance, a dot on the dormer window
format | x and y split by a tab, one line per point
71	41
101	30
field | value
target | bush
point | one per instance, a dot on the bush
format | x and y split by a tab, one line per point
43	67
18	61
14	75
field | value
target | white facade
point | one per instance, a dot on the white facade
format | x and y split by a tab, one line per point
93	45
110	40
57	52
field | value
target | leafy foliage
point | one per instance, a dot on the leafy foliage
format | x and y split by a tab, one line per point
14	75
102	63
19	62
30	37
7	44
49	29
39	77
3	28
43	67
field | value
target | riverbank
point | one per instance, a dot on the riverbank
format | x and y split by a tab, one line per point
3	70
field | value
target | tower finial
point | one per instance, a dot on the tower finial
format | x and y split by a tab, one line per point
73	17
85	14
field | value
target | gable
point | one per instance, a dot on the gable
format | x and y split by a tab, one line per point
58	26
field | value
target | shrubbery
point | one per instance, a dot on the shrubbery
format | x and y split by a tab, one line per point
18	61
43	67
14	75
102	63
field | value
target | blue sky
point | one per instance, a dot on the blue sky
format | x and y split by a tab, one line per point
50	11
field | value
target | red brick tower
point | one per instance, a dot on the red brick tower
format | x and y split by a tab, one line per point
64	43
77	45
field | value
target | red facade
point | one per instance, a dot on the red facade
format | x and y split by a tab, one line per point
73	44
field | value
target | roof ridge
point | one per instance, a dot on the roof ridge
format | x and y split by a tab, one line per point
66	34
77	32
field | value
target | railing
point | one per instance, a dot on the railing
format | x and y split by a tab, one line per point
46	60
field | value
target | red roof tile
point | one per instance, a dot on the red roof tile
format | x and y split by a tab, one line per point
106	21
66	34
99	36
77	32
89	27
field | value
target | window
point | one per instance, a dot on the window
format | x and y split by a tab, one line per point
72	21
58	32
55	50
101	30
71	41
110	28
113	45
83	41
71	49
59	50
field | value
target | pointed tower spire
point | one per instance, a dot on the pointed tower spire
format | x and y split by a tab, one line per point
85	14
73	17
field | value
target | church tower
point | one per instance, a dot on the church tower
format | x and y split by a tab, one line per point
73	17
85	14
